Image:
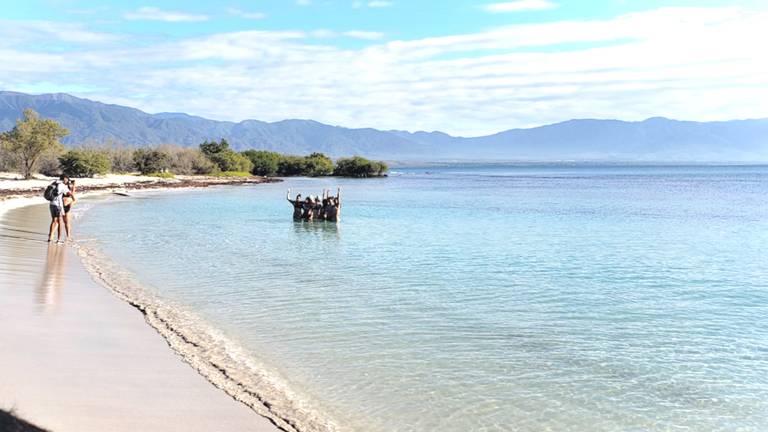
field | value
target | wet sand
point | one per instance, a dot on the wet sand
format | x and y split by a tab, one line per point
73	357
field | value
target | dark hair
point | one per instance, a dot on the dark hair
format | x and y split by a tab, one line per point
63	176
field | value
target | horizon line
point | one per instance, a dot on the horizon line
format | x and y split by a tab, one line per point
386	130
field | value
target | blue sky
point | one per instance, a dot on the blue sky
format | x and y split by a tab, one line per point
464	67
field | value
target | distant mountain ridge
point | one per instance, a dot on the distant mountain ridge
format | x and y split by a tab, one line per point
654	139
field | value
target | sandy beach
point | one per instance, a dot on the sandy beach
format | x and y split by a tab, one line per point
77	358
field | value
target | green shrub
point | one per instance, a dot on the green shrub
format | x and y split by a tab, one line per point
151	160
225	158
212	148
359	167
291	166
9	161
318	164
121	158
165	175
231	174
188	161
231	161
265	163
84	163
49	165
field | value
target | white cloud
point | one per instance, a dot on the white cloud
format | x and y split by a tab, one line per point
303	2
354	34
519	6
366	35
357	4
243	14
14	32
156	14
688	63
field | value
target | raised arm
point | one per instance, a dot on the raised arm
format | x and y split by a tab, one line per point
288	196
338	195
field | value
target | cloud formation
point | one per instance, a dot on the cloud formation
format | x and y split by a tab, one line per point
519	6
357	4
243	14
157	14
379	4
687	63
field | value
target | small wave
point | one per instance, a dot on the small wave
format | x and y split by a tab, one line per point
220	360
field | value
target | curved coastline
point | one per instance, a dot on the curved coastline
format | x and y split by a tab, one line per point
219	360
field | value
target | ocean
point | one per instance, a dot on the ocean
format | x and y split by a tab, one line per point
477	297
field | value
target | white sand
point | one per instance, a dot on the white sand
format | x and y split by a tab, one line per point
75	358
14	181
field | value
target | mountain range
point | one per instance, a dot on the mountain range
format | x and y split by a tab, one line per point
656	139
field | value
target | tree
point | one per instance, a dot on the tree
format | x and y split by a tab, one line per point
226	158
31	138
265	163
150	160
292	166
359	167
318	164
213	148
231	161
84	163
188	161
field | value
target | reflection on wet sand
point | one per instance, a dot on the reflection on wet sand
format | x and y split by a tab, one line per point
48	293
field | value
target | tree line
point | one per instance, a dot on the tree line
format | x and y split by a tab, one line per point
33	145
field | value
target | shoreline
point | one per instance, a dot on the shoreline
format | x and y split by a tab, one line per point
111	371
208	353
34	188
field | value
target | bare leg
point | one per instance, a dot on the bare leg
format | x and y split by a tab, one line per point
66	224
54	223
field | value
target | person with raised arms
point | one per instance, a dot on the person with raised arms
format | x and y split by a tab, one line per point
297	205
333	213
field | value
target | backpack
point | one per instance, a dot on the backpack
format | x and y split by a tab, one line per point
51	192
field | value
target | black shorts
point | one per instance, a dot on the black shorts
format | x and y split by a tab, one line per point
55	211
67	208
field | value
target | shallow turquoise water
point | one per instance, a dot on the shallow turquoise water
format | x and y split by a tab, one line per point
460	298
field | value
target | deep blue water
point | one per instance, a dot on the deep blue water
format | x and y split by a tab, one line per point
471	297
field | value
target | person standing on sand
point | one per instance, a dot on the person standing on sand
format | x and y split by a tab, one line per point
56	206
69	201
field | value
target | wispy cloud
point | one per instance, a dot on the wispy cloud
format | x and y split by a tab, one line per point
357	4
354	34
157	14
243	14
303	2
690	63
519	6
49	31
366	35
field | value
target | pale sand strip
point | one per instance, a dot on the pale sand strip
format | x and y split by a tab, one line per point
75	358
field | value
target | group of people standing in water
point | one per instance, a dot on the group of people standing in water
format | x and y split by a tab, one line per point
313	208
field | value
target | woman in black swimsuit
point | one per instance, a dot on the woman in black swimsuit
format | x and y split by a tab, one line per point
309	210
69	201
297	205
